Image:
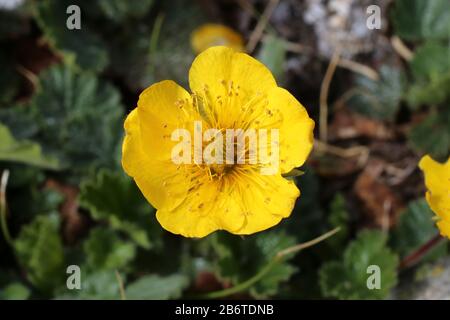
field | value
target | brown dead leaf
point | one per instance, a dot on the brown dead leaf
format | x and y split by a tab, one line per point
349	125
206	281
381	205
74	223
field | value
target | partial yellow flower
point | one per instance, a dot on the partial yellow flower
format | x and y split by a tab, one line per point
230	90
437	180
210	35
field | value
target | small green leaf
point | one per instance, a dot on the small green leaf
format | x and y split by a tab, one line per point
419	19
101	285
239	259
293	173
432	135
105	250
414	228
39	250
114	197
15	291
73	116
119	10
379	99
338	217
431	70
85	47
273	55
347	278
154	287
24	151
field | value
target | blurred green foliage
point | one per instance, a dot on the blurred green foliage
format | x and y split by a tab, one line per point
69	130
347	278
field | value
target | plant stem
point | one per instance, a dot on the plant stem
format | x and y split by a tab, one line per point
121	286
418	254
276	259
324	88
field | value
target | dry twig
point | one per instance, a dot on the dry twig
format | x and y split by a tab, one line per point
402	50
324	88
257	33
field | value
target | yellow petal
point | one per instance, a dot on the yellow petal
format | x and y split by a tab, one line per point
210	207
437	181
162	108
444	228
235	204
296	129
210	35
217	68
264	201
160	181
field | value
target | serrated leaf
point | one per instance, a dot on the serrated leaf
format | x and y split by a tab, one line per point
39	250
114	197
431	70
414	228
338	218
85	47
379	99
347	278
155	287
24	151
239	259
419	19
432	135
15	291
119	10
101	285
74	117
105	250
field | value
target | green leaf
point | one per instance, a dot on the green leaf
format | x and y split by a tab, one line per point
338	217
273	55
154	287
239	259
15	291
24	151
174	47
306	220
39	250
419	19
379	99
432	135
431	69
101	285
72	116
293	173
85	47
119	10
105	250
414	228
114	197
347	278
9	77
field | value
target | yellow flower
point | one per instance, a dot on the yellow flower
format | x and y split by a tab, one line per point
437	180
210	35
230	90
